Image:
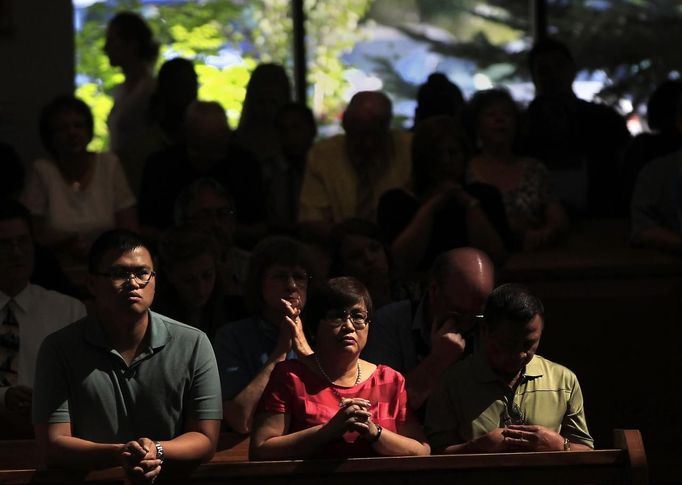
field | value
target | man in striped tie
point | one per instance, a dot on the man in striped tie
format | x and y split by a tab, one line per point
28	313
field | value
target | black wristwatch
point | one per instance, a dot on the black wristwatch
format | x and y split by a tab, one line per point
159	451
378	435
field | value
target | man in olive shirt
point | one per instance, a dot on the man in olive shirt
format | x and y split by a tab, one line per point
504	397
125	386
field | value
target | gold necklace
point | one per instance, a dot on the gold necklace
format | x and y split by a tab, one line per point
336	393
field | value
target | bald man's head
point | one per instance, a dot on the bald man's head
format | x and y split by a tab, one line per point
461	280
368	110
367	122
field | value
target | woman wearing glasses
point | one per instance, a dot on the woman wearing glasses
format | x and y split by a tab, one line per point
332	403
247	350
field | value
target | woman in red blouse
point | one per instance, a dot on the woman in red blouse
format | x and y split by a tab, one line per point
333	404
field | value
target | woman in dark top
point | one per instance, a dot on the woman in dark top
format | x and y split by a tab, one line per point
441	212
536	216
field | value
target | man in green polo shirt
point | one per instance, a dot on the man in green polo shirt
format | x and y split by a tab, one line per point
505	398
125	386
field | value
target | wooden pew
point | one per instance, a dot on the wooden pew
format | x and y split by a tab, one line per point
613	315
625	465
22	454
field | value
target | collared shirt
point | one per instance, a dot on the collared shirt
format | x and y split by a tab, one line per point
330	182
82	380
391	336
471	401
242	349
39	312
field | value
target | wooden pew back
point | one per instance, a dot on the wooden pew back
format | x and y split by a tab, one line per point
627	465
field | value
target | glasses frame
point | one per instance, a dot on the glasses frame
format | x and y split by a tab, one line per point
129	275
346	316
474	318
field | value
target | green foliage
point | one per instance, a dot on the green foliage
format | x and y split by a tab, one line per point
227	86
100	105
331	30
631	41
196	30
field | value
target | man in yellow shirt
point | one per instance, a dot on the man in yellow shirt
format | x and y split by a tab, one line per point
347	174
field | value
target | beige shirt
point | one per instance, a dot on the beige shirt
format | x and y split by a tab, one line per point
329	191
88	210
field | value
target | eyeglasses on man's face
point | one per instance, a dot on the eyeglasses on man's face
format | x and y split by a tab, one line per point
463	320
357	318
122	276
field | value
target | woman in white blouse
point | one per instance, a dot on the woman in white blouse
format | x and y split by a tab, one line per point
76	194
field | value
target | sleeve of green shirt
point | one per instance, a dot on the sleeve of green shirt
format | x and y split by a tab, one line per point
574	424
205	400
50	387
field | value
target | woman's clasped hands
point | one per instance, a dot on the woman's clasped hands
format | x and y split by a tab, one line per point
354	415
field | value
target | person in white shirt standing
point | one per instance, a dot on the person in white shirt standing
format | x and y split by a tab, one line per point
28	313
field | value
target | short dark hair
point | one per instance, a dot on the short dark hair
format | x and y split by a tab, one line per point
185	242
662	109
298	108
190	193
132	27
479	102
118	240
273	250
351	227
12	209
513	303
59	105
173	69
427	142
548	45
436	97
334	294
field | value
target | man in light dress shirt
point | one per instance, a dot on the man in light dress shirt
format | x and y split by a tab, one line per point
28	312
